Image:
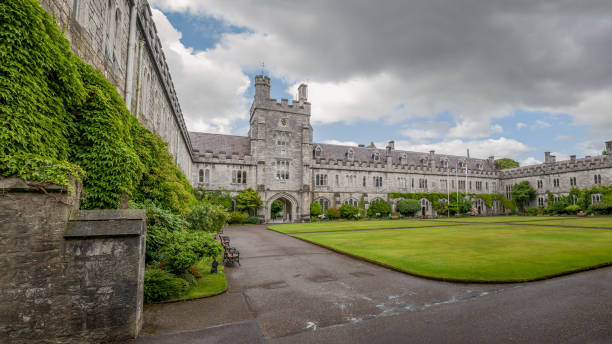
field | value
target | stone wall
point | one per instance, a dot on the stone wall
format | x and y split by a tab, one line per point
69	276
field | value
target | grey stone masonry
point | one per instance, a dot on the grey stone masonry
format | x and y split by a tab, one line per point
69	276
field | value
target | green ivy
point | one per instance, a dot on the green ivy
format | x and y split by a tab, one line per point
435	197
60	119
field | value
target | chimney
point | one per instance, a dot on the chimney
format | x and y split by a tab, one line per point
262	88
547	157
432	160
361	145
491	160
572	159
303	93
608	147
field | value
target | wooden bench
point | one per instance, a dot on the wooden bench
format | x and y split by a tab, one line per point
231	255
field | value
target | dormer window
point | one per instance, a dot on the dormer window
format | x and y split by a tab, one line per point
350	154
479	166
444	163
376	156
403	159
317	152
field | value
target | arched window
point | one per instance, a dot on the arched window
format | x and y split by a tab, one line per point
108	28
324	203
317	152
376	156
117	35
207	176
403	159
351	201
244	177
201	177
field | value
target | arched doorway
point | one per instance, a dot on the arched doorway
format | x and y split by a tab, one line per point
281	208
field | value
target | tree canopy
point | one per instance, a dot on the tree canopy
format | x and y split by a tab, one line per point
248	200
522	193
504	163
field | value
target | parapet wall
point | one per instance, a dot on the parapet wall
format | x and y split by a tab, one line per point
566	166
69	276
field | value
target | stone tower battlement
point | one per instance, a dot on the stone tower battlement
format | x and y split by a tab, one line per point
262	98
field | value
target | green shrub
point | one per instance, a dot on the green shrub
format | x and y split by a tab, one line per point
185	248
348	211
532	211
160	285
379	208
601	208
572	209
276	209
315	209
237	217
408	207
332	213
314	219
252	220
248	200
215	197
207	217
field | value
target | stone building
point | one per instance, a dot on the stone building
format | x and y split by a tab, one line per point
278	157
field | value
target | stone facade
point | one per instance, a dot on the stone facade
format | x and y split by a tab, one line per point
280	161
69	276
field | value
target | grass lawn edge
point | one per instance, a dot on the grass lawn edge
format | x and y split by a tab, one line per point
454	280
192	298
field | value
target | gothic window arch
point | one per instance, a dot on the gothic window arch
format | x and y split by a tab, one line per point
117	36
108	29
207	176
201	176
351	201
324	202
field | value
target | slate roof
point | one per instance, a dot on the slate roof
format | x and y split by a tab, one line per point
216	143
365	154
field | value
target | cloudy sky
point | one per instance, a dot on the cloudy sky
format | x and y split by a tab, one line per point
505	78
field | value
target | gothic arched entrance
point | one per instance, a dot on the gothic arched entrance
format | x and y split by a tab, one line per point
281	208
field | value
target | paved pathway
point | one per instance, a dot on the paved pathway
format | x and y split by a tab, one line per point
289	291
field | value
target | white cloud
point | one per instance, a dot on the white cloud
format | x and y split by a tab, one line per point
341	143
502	147
416	59
530	161
210	90
520	125
560	156
540	124
496	129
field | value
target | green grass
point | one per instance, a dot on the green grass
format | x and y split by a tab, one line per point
500	219
591	222
495	253
331	226
207	285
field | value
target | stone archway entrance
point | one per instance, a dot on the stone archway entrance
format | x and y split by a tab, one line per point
280	211
281	208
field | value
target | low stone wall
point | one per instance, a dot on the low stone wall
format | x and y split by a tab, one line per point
69	276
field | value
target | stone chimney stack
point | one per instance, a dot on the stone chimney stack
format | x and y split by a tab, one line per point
262	88
432	158
547	158
572	159
390	148
303	93
492	160
608	147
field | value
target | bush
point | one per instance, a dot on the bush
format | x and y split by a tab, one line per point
207	217
248	200
186	248
215	197
315	209
601	208
408	207
252	220
532	211
332	213
379	208
237	217
348	211
314	219
572	209
160	285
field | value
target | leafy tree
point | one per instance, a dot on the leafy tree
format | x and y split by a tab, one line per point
315	209
186	248
408	207
276	209
504	163
348	211
237	217
207	217
248	200
216	197
380	207
522	193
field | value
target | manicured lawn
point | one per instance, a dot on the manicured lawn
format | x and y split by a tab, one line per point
591	222
208	284
493	253
331	226
500	219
